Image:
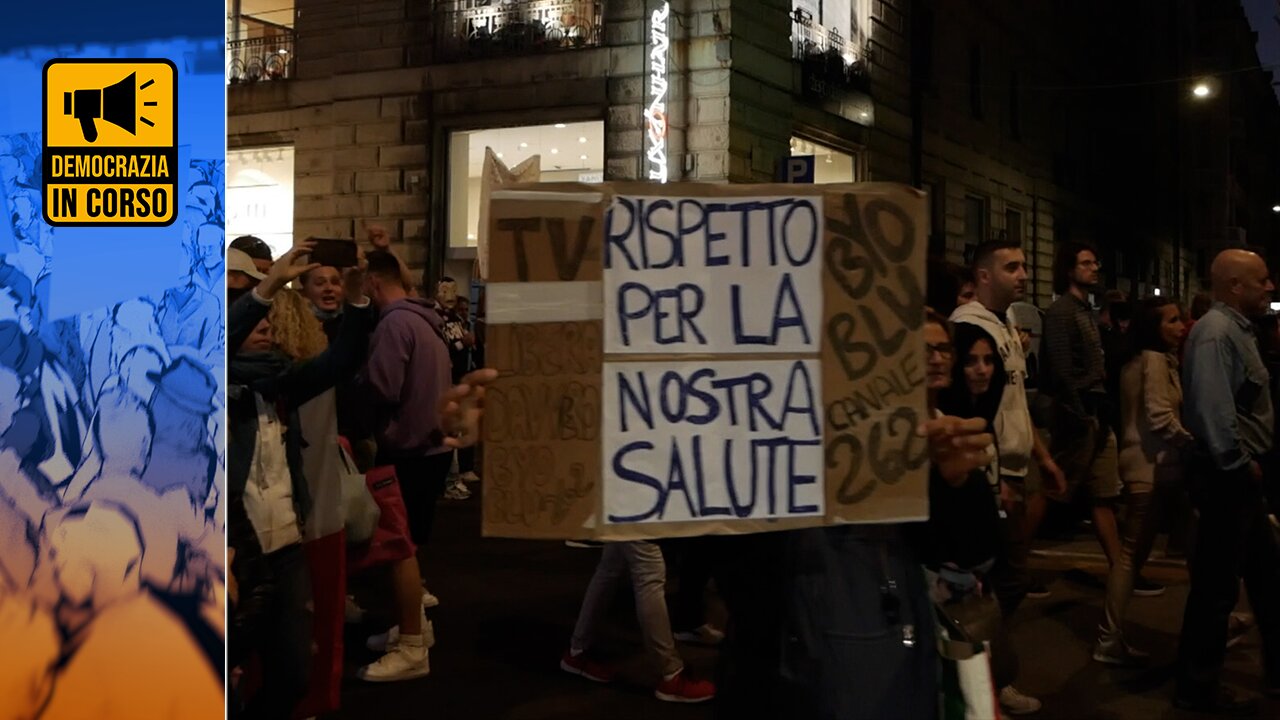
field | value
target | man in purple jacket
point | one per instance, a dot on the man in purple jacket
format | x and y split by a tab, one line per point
408	371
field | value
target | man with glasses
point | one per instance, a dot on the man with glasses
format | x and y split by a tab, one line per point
1074	377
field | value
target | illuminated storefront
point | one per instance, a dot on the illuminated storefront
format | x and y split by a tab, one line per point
260	195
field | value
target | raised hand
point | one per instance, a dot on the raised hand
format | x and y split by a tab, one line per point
378	237
462	408
957	446
287	269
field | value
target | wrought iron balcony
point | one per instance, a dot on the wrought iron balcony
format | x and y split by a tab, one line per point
261	58
484	28
829	62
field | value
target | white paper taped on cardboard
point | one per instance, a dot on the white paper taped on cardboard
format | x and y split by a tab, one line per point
536	302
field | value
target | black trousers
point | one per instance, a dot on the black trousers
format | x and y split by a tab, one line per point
1234	542
692	560
274	621
422	480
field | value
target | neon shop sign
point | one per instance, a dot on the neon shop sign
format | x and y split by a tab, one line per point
656	114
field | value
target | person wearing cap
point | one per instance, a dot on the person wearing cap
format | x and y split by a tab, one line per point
267	499
256	248
242	274
122	443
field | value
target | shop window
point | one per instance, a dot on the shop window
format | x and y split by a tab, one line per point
570	152
260	195
829	165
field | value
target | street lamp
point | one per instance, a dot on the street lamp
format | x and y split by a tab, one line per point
1201	90
1275	208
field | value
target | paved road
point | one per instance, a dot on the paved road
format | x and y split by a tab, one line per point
508	607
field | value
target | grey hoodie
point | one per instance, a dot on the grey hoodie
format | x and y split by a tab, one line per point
1013	428
408	371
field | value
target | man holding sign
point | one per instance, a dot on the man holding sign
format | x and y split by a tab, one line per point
739	360
957	448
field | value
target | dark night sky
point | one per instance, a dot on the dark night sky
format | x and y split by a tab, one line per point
1262	16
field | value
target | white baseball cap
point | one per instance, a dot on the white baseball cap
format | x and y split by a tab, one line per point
239	261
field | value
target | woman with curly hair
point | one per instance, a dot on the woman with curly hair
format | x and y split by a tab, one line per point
294	328
268	498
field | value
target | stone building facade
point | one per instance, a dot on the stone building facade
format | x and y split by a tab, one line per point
1007	112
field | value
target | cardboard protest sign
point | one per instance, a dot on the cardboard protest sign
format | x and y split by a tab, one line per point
496	174
693	359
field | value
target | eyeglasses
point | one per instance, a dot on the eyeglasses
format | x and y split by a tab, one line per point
943	349
1091	264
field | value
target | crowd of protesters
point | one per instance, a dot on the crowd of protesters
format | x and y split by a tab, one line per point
360	342
1157	419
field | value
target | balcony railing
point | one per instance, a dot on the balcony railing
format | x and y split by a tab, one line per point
261	58
484	28
829	62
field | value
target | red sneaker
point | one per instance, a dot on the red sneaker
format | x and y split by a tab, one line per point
583	666
684	689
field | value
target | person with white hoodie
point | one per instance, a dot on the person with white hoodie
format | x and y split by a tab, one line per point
1000	274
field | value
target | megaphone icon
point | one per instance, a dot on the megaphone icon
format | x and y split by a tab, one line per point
114	103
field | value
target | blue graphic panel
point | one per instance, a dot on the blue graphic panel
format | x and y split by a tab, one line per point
111	397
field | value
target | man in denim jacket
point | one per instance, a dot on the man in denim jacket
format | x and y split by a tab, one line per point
1229	410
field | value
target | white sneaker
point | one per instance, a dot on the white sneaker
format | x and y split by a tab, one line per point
353	613
429	600
704	635
457	491
401	663
1015	703
469	477
387	641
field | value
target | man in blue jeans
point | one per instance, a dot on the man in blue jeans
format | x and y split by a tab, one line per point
1229	411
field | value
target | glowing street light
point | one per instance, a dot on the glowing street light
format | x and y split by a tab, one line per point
1275	208
1202	90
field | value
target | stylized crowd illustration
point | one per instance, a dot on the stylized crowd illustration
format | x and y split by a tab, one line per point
108	527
